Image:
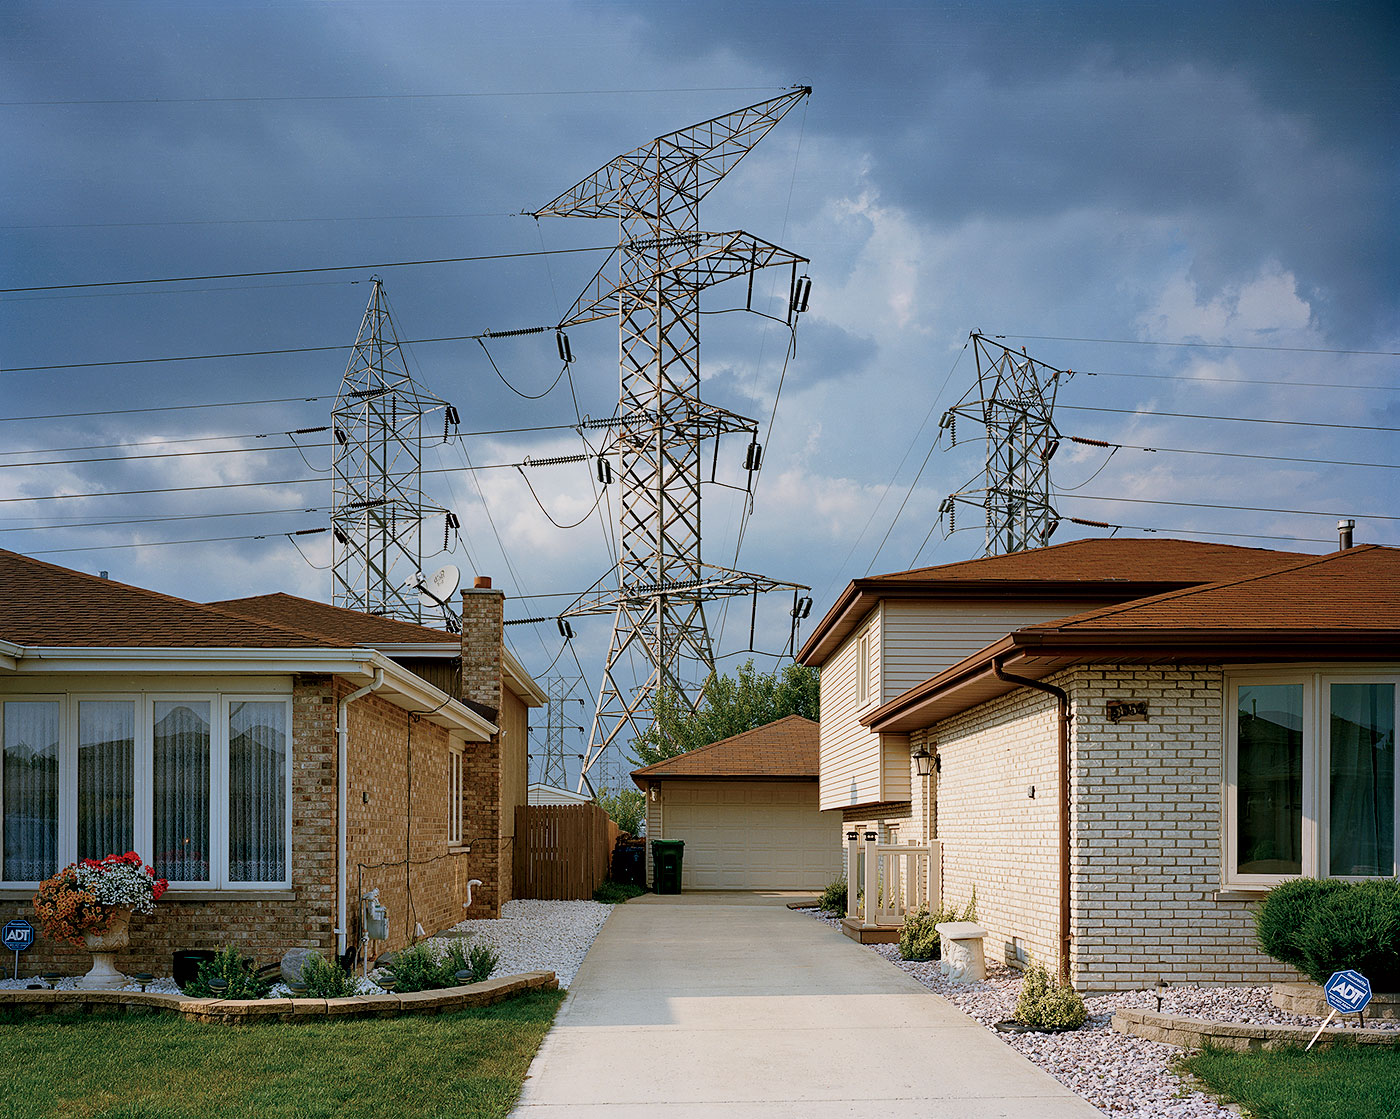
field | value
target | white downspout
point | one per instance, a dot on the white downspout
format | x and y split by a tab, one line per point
342	782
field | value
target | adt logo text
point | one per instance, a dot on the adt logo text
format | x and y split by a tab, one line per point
1348	991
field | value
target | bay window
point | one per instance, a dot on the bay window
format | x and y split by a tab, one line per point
1310	776
199	784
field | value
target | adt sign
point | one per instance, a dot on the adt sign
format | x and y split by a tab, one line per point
1348	991
17	935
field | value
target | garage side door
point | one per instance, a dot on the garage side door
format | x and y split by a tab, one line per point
752	835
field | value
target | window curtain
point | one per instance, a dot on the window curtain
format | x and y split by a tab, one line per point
180	775
1269	779
1362	822
106	777
257	792
30	775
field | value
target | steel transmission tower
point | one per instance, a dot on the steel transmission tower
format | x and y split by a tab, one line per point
552	767
652	283
1015	403
378	508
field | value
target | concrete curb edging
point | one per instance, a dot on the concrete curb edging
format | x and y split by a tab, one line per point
1194	1033
238	1012
1307	998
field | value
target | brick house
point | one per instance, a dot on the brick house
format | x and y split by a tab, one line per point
1122	781
274	758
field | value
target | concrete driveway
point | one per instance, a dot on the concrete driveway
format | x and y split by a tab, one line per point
723	1005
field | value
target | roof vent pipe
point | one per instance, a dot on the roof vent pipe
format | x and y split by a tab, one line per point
1344	533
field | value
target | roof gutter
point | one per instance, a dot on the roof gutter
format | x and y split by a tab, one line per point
1063	726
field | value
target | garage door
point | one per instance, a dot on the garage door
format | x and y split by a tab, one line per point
752	835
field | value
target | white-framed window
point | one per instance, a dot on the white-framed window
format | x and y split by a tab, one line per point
1311	779
198	783
863	668
455	791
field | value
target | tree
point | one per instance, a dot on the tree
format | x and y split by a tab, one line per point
627	808
728	706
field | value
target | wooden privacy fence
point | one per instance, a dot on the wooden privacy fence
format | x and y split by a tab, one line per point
562	851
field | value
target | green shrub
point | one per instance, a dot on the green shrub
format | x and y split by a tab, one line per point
833	898
325	980
615	893
415	969
1324	926
240	971
482	961
1048	1005
918	938
627	808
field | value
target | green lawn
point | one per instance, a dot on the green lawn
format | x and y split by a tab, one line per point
468	1064
1345	1082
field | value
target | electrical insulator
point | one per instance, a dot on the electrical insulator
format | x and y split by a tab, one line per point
340	536
448	525
1050	449
1050	530
754	458
340	437
566	631
604	469
953	429
803	608
801	293
453	417
566	353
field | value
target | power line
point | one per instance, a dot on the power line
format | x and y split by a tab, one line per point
168	454
309	271
164	517
1207	382
385	96
1203	532
1231	419
167	543
165	408
251	353
1202	345
250	221
1231	454
1238	508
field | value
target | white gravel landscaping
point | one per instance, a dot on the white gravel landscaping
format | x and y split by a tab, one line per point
1125	1077
537	935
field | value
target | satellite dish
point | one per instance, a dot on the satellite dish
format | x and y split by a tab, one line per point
439	587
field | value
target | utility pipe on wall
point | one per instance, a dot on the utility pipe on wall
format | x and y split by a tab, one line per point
1062	699
342	781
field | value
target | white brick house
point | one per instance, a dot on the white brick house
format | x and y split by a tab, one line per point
1219	738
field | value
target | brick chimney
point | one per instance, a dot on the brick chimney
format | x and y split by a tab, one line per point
483	633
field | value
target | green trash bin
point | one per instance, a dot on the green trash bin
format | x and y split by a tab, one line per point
666	858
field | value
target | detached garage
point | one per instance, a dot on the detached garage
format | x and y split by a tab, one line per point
746	808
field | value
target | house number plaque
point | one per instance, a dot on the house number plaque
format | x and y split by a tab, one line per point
1127	710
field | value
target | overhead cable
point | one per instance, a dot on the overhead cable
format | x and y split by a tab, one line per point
1232	419
168	543
1202	345
1238	508
1232	454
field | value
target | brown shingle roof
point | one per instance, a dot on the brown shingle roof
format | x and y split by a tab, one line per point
1340	607
785	748
43	604
1113	569
1357	589
336	623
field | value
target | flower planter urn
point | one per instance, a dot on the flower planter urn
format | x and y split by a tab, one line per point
104	975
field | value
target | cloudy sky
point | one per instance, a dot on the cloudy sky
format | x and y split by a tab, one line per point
1191	205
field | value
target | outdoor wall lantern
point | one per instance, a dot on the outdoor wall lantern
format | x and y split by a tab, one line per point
925	763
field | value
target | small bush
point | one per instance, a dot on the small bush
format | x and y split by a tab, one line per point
1047	1005
240	971
326	980
615	893
833	898
918	938
482	961
1324	926
415	969
627	808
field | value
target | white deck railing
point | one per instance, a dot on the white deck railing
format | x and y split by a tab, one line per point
899	878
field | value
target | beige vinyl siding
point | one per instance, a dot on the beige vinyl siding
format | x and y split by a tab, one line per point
921	639
850	754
